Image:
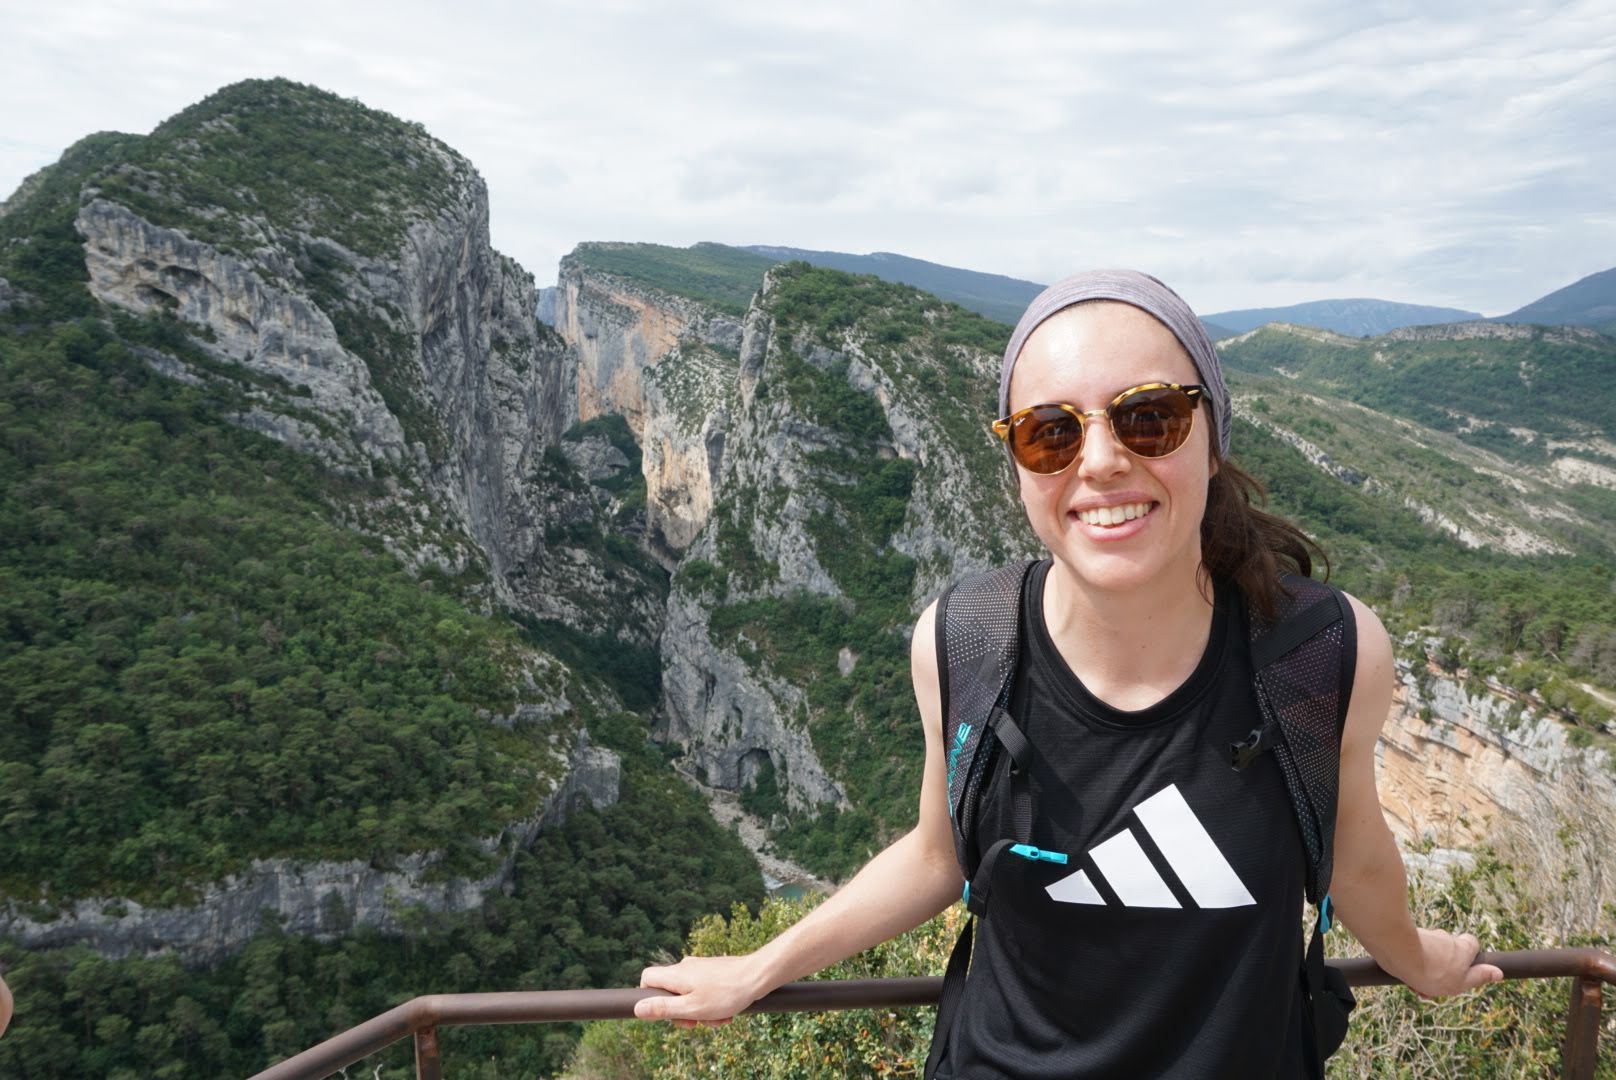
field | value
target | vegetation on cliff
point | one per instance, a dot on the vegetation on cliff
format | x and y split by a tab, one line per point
723	278
1519	394
591	903
202	666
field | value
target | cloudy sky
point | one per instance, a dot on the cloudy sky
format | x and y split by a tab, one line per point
1252	154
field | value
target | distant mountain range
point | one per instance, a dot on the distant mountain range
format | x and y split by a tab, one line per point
1356	318
736	272
1588	302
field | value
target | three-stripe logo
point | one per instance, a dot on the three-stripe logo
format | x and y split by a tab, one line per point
1185	846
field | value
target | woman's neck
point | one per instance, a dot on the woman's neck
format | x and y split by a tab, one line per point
1130	648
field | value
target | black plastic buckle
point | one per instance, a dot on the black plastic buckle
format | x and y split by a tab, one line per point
1246	751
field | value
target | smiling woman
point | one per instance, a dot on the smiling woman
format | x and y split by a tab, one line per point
1130	679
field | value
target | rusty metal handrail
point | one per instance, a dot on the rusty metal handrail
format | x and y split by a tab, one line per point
422	1016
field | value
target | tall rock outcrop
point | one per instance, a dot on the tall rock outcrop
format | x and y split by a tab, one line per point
357	312
664	363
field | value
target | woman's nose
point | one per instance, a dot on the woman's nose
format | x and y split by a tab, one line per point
1102	455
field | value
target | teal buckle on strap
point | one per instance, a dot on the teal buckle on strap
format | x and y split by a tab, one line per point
1027	851
1326	915
966	895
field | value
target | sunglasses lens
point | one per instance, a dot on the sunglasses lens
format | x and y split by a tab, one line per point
1046	439
1150	423
1153	423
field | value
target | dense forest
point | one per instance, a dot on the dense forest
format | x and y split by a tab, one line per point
590	904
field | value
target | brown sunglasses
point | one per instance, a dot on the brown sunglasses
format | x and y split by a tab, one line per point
1151	420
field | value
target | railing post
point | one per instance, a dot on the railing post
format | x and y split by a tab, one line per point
1582	1029
429	1059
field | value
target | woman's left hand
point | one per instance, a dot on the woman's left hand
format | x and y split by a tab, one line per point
1448	965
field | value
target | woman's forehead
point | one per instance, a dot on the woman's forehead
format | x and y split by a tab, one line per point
1096	349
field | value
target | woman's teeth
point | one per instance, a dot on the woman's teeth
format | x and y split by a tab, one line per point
1114	515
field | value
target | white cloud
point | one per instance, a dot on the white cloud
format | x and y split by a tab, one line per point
1253	154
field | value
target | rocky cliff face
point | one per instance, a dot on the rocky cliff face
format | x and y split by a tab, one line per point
427	362
321	899
378	332
754	478
662	363
1457	762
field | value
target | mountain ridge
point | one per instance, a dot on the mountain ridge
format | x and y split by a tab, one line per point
1588	301
1357	317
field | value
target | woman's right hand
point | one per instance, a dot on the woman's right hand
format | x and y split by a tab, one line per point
707	989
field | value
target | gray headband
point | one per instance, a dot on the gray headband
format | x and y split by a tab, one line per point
1150	296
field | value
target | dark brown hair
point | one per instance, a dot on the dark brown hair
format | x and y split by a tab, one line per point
1248	546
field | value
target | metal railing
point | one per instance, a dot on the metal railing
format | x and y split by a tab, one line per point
422	1016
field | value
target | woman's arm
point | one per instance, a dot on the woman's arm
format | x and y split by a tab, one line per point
5	1006
1368	888
899	889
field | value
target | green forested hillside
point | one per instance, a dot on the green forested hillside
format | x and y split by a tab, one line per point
1553	383
201	666
722	277
203	662
591	904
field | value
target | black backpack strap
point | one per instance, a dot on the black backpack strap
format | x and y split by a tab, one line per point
1009	735
977	890
1303	664
978	638
1329	998
959	962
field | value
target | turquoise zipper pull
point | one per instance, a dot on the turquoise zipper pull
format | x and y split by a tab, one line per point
1027	851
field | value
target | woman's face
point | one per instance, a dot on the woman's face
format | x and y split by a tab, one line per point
1086	355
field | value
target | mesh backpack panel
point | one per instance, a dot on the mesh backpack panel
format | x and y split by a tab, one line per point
1305	693
978	623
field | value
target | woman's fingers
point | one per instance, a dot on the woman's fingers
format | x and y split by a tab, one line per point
700	990
675	1008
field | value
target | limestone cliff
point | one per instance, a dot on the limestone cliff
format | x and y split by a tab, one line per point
1458	760
363	319
753	475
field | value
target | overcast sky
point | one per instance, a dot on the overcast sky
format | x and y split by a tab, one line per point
1255	154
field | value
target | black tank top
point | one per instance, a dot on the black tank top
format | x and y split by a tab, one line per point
1169	944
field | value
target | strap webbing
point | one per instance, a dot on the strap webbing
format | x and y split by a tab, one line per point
980	886
1019	748
1293	632
977	891
959	962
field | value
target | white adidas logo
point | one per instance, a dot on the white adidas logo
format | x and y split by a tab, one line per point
1183	841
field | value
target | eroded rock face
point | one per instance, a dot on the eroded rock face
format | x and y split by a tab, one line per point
1452	767
267	327
474	387
727	715
773	491
621	330
429	369
320	899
